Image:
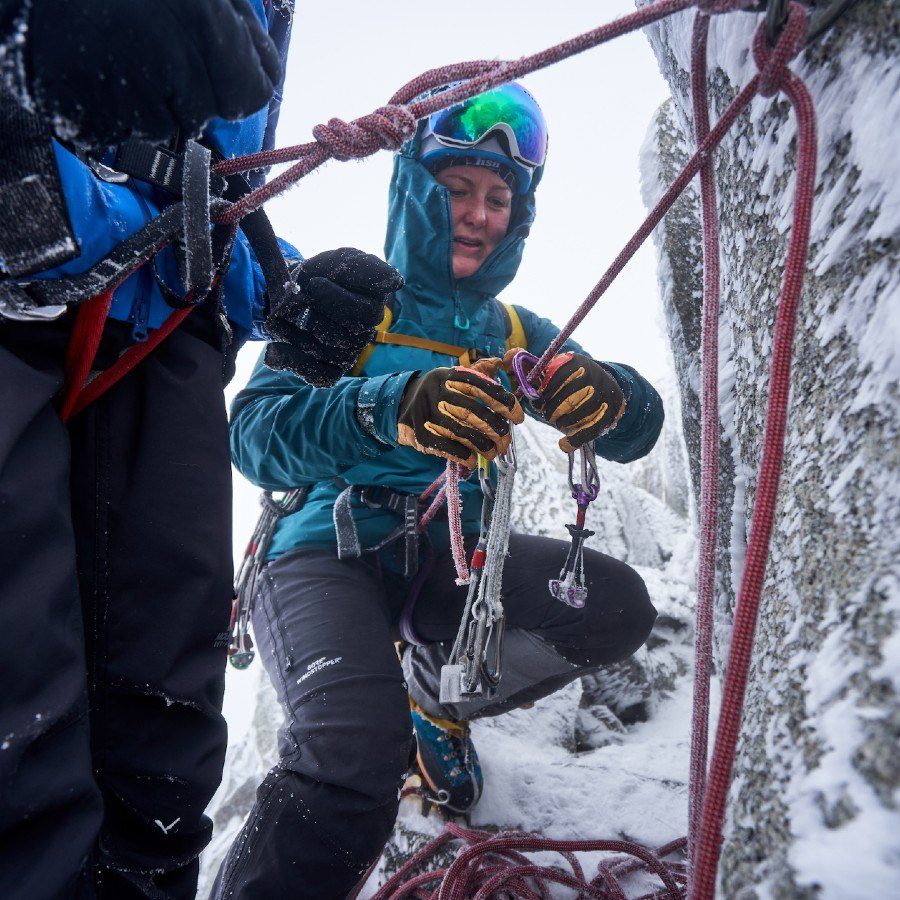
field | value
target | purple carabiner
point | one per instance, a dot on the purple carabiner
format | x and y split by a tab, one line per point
522	359
581	495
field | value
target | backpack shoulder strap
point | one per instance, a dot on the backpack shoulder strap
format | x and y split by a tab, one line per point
383	327
515	332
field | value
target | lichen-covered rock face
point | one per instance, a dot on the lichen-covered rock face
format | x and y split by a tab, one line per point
813	806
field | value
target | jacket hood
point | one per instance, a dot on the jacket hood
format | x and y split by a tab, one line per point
419	238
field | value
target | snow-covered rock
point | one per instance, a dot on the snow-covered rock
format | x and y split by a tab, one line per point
813	806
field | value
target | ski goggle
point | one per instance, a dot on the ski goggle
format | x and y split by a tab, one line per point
509	113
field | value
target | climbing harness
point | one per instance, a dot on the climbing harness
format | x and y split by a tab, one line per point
405	505
474	667
240	648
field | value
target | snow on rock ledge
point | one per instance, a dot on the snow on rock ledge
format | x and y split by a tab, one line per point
813	807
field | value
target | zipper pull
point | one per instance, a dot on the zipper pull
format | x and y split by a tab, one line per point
141	317
461	320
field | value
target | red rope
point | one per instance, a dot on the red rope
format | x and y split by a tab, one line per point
709	440
489	865
743	634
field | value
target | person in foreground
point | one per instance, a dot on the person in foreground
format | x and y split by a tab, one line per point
115	527
341	569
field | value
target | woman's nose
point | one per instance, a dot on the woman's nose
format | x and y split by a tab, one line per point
475	214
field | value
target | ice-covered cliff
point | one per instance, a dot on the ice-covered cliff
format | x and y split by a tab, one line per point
813	806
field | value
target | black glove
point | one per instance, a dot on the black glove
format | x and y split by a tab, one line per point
326	320
457	413
102	70
580	398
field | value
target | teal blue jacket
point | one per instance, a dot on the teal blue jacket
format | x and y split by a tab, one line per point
285	433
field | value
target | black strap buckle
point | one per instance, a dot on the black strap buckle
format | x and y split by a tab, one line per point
158	165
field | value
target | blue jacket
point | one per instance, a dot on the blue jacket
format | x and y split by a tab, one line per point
285	433
104	214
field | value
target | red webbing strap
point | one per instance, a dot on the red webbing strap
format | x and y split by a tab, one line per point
76	400
82	349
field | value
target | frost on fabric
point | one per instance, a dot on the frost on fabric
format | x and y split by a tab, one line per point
12	62
813	805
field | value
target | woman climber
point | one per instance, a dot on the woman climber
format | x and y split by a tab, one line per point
341	569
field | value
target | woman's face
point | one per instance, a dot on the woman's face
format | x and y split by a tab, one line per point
480	205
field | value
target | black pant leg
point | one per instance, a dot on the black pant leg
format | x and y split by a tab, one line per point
323	814
151	486
548	644
50	807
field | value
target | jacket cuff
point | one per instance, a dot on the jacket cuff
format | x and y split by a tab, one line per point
378	405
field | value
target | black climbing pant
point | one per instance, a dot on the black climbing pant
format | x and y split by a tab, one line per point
325	630
115	571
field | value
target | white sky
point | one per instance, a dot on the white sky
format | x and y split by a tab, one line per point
349	56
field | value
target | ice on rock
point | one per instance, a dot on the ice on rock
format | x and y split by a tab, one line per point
813	809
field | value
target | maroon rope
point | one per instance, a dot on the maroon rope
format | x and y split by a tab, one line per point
663	205
774	63
709	440
389	126
482	869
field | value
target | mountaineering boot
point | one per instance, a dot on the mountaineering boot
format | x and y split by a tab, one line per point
447	761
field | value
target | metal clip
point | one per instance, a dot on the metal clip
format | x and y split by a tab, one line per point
102	171
569	587
17	306
240	650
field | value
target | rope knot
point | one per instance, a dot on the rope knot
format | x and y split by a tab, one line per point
772	62
385	129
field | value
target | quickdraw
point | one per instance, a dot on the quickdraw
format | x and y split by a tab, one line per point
475	660
240	647
570	587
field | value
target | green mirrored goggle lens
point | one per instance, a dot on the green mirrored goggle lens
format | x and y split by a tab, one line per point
509	111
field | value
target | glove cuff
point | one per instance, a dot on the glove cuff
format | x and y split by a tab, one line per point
378	405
